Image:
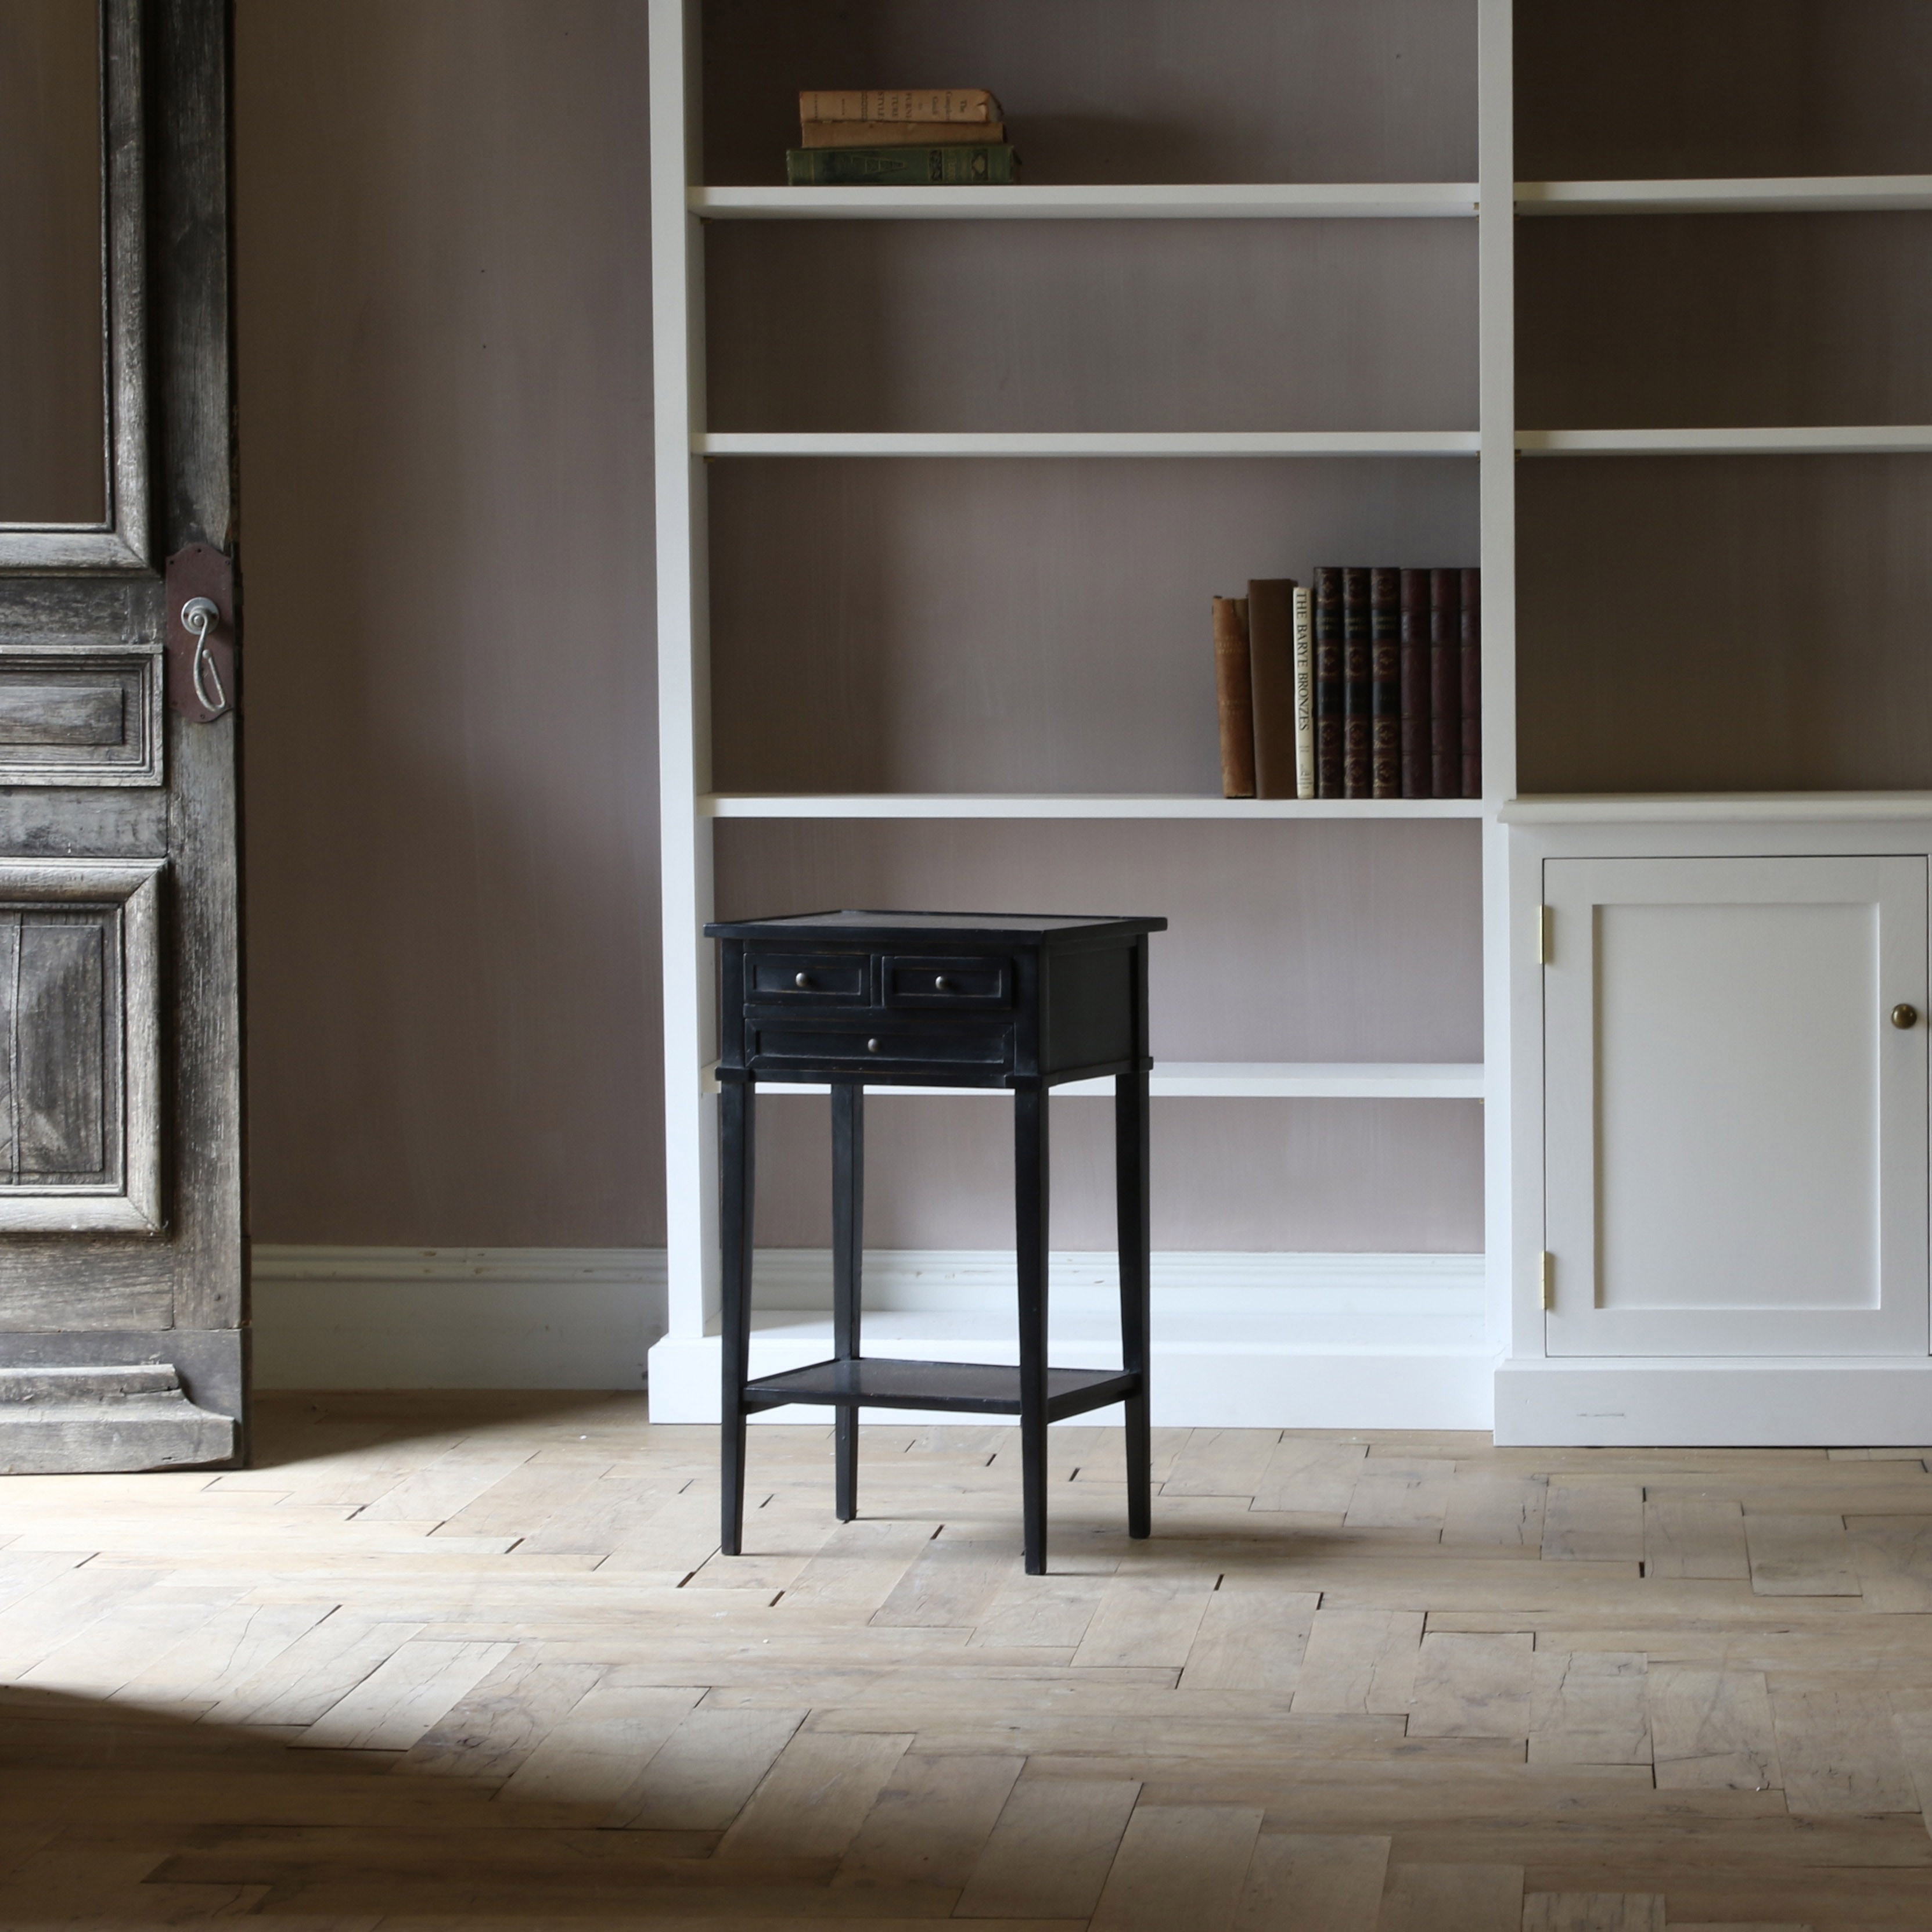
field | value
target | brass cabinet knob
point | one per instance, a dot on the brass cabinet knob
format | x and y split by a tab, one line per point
875	1046
942	984
802	980
1903	1016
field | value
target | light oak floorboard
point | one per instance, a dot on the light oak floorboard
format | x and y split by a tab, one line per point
1593	1522
1839	1750
1470	1686
1453	1898
1593	1912
931	1823
1178	1865
1251	1637
1359	1661
1049	1853
1589	1707
700	1777
1801	1555
1298	1881
1712	1729
815	1797
1690	1534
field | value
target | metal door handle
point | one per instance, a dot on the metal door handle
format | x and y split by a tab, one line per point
200	616
1904	1016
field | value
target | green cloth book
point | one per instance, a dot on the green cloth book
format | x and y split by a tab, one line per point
987	164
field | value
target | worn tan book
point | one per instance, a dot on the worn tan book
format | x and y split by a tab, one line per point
902	133
898	103
1271	671
1234	692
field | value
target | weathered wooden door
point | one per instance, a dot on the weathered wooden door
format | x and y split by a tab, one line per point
122	1266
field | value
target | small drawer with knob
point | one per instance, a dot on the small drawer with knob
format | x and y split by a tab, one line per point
809	978
775	1045
927	984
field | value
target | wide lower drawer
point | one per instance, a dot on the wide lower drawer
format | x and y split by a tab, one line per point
795	1045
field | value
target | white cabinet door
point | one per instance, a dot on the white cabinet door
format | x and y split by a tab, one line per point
1736	1138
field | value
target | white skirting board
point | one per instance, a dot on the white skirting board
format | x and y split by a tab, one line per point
1772	1401
455	1318
1255	1341
1240	1340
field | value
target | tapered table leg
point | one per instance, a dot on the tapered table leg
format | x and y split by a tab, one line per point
848	1217
736	1188
1131	1191
1030	1215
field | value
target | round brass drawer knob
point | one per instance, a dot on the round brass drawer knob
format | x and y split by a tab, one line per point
875	1046
942	984
1903	1016
802	980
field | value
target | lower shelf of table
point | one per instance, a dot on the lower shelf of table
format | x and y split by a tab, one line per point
977	1388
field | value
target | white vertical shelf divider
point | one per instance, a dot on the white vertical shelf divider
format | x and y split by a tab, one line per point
1496	253
684	728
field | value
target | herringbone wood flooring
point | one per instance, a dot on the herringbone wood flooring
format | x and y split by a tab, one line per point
445	1662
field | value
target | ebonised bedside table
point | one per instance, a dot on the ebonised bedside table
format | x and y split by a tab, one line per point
931	999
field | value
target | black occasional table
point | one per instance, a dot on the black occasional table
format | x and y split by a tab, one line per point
937	999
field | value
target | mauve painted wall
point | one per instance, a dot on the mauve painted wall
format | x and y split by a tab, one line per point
443	296
443	291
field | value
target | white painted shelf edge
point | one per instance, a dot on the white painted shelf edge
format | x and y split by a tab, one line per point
1738	194
1801	439
1880	439
1717	807
1183	201
1235	1080
1087	443
1069	805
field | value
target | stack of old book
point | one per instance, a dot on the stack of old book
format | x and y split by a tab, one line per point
1368	685
901	137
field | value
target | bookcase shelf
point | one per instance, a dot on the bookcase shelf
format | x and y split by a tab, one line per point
1718	808
1087	443
1876	439
1024	629
1766	194
1072	805
1238	1080
1210	201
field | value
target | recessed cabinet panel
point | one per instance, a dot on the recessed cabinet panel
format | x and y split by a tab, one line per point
74	720
1738	1137
80	1106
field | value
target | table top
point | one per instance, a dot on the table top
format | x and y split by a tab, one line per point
865	928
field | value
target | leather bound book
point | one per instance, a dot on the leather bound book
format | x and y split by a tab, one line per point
1234	691
1385	684
1445	684
1304	693
898	133
1358	690
1472	684
1415	684
1271	666
897	103
1328	719
993	164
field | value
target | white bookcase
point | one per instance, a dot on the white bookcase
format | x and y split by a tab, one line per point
1359	1342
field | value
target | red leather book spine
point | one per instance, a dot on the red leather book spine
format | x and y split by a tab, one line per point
1472	684
1415	684
1357	691
1445	684
1385	684
1328	706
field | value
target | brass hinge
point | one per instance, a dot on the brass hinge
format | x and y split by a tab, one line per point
1544	922
1549	1280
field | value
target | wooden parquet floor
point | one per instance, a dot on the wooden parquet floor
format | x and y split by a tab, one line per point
445	1662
